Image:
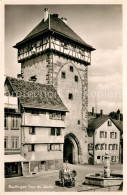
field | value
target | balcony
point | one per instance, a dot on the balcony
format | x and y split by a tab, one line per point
10	102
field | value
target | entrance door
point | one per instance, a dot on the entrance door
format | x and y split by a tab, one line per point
68	151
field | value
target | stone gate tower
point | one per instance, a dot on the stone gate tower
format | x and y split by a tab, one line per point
52	53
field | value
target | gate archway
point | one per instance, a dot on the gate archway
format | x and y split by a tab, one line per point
72	149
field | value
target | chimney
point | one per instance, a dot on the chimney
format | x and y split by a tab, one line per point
101	113
118	115
55	15
92	110
46	14
64	20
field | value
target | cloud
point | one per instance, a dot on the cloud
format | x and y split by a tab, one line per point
106	61
105	79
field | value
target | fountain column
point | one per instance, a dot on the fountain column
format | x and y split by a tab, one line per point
107	165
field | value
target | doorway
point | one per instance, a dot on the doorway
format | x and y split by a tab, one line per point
68	151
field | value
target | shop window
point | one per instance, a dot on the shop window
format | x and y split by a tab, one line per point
31	130
71	69
63	75
15	142
6	142
76	78
11	168
14	122
6	122
70	96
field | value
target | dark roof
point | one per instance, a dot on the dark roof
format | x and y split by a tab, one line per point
118	124
57	26
95	115
36	95
95	123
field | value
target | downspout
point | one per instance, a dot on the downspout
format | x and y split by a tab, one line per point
93	147
49	21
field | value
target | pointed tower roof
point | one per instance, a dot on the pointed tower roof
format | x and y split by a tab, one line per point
56	25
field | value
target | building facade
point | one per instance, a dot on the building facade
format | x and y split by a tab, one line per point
52	53
103	136
12	138
37	129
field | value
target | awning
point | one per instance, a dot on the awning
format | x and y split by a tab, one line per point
14	158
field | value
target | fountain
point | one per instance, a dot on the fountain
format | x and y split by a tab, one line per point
106	178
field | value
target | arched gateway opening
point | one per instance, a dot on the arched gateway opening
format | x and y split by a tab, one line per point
71	149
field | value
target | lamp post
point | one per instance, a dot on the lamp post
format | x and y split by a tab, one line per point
107	165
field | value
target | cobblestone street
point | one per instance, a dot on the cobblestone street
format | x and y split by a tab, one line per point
46	181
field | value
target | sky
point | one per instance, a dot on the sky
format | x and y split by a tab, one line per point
98	25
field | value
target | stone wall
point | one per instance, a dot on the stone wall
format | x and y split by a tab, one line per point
47	69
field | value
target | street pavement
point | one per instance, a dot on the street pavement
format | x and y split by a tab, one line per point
47	180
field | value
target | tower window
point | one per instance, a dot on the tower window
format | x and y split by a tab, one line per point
33	78
78	122
71	69
63	75
70	96
76	78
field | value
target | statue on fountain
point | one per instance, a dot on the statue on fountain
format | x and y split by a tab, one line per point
107	165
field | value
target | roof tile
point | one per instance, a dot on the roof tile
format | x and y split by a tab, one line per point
36	95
